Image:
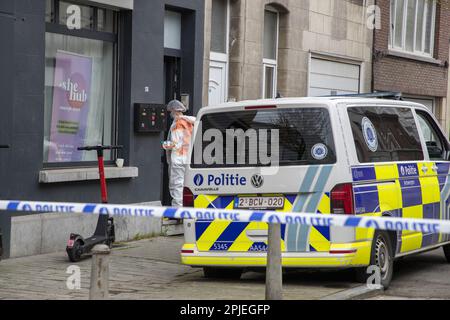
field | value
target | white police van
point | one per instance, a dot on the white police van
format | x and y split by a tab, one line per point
348	156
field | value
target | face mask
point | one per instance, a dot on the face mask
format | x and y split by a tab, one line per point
174	114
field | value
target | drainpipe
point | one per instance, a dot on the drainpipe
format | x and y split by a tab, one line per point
373	54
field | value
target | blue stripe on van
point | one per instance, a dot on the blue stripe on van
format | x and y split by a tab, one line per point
364	174
200	228
443	168
442	181
325	231
232	232
221	202
303	232
304	191
411	192
408	170
367	200
431	211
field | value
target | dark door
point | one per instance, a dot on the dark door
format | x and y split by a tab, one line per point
172	90
7	58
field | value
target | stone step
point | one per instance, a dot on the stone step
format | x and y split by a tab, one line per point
172	228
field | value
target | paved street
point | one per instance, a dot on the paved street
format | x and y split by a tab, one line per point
425	276
150	269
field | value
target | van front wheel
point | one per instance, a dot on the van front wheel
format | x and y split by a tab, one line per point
447	252
222	273
381	262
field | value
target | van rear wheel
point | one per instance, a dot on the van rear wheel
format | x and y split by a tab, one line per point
447	252
222	273
382	260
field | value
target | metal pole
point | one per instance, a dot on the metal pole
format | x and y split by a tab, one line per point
274	273
100	273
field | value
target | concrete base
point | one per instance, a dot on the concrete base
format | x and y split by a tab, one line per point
48	233
172	228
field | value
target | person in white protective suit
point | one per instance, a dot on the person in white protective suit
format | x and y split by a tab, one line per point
177	147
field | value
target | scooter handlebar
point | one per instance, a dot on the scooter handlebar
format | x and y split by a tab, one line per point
98	148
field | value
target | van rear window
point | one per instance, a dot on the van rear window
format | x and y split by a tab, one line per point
264	137
385	134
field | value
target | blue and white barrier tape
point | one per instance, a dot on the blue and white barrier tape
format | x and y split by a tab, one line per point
320	220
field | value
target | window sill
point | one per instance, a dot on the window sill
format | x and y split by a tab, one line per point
412	56
86	174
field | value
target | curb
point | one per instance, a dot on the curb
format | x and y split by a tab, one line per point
357	293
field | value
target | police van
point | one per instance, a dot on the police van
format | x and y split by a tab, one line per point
349	156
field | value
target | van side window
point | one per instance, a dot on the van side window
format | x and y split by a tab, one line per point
385	134
436	145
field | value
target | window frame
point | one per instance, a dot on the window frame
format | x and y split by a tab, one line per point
56	28
270	63
179	15
393	17
300	163
353	147
217	54
432	121
221	57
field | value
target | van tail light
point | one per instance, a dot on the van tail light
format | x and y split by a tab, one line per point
188	198
342	199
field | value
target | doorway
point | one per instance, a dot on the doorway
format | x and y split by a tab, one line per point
172	90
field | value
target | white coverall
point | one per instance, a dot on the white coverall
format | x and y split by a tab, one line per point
180	136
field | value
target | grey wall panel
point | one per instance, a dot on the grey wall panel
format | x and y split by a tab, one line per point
7	6
6	76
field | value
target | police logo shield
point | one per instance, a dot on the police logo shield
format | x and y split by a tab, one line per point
370	134
198	180
319	151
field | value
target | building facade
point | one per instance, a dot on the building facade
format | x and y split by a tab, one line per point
72	72
411	52
261	49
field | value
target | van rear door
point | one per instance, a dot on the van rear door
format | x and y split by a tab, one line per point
263	158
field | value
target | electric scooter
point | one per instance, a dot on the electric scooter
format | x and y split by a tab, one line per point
104	233
1	235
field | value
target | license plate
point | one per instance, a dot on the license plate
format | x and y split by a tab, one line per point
259	203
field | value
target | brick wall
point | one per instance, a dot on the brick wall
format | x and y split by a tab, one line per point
407	75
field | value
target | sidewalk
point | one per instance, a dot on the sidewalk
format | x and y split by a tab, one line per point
150	269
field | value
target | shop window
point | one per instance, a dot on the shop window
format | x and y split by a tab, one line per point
80	84
270	47
413	26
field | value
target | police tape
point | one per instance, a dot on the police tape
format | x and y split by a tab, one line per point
311	219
